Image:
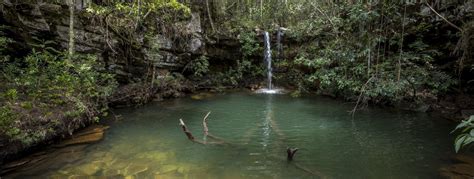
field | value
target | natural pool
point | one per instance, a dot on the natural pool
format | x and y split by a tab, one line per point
148	143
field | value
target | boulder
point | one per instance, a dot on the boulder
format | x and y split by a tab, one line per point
90	134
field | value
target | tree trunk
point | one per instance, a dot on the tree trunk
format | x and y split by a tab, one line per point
71	30
209	16
399	66
139	4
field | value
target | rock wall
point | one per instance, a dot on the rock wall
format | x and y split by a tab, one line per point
33	22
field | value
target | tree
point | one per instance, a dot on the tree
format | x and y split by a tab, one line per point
71	29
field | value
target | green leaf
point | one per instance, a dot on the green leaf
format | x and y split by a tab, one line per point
464	123
459	142
468	140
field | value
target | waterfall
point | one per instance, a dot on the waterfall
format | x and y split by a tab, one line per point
268	60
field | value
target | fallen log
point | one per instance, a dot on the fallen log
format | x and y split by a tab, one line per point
216	138
204	124
189	135
208	134
314	173
185	130
219	141
291	153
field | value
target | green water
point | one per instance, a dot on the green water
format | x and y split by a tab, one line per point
148	143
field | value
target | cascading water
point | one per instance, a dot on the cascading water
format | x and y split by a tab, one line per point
268	60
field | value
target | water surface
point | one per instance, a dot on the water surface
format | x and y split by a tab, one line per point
148	143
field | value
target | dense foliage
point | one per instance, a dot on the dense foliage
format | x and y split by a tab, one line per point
367	51
352	59
44	88
384	51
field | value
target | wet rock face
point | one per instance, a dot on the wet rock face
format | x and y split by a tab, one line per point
169	51
30	20
194	28
165	46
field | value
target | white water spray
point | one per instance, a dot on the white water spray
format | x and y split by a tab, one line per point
268	59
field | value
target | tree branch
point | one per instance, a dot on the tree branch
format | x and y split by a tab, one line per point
185	130
204	124
446	20
360	96
190	136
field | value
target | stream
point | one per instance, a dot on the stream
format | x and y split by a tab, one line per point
147	142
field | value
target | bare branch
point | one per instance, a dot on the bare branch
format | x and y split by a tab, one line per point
291	153
186	131
204	124
219	141
446	20
360	96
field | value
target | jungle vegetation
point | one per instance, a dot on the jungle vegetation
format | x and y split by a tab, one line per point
369	52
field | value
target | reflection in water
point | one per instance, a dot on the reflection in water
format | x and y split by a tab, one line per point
148	143
266	125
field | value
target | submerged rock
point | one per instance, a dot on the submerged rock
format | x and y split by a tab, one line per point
166	176
110	172
83	139
458	171
88	135
70	150
465	159
79	177
201	96
136	170
120	166
463	169
47	158
89	168
167	169
59	176
156	156
13	165
109	159
184	169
